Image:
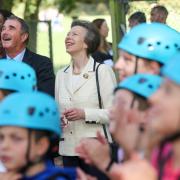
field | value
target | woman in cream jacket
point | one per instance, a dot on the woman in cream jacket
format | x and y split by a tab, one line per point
76	91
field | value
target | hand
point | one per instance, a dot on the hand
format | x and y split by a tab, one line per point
134	169
83	176
74	114
10	176
64	122
95	151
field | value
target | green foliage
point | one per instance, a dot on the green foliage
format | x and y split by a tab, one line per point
67	6
6	4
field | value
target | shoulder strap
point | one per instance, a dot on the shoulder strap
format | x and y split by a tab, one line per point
99	98
98	87
66	68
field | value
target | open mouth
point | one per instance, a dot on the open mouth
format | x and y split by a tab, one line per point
68	44
6	39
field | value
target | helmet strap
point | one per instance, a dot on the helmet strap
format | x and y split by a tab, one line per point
29	163
136	65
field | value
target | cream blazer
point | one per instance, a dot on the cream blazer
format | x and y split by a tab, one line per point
84	95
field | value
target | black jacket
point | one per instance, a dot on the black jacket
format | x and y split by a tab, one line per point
44	71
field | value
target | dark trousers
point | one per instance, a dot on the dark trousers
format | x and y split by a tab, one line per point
75	161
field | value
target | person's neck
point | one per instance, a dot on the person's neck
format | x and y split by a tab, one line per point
14	52
176	154
79	62
35	169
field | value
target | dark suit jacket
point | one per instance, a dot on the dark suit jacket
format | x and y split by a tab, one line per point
44	71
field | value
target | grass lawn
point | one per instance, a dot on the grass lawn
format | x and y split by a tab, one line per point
61	58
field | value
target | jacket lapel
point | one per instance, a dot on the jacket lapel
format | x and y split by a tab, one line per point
27	57
68	79
86	74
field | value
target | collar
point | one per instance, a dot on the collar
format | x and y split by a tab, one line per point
91	64
19	57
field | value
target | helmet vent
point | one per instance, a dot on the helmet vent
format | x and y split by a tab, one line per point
176	45
141	40
41	114
14	74
167	47
142	80
22	77
6	77
31	111
150	47
29	75
46	110
158	43
150	86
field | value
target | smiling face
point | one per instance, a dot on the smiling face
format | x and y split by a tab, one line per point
164	114
13	147
126	65
104	30
15	144
75	40
158	16
13	39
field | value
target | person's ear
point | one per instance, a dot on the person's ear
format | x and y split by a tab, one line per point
24	37
154	67
85	46
42	146
133	113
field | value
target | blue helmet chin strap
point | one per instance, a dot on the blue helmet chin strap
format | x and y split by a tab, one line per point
29	163
135	72
136	65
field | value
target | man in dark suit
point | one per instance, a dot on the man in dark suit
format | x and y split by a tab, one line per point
15	36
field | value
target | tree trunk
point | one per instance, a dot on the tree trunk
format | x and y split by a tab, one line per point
31	16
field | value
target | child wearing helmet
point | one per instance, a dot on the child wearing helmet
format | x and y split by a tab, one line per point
130	98
164	124
16	77
27	135
145	48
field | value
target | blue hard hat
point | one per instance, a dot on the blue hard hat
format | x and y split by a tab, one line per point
154	41
17	76
141	84
33	110
171	69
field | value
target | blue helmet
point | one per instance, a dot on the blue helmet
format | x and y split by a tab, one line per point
36	110
17	76
141	84
171	69
154	41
